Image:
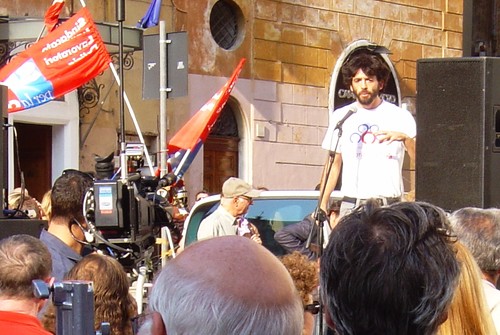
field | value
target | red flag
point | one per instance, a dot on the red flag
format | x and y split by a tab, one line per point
52	14
65	59
198	127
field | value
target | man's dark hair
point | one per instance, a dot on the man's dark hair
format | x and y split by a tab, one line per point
389	270
68	193
23	258
371	64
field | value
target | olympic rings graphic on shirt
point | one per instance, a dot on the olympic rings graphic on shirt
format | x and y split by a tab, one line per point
365	134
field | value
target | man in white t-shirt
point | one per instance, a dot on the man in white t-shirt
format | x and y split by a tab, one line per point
479	230
370	142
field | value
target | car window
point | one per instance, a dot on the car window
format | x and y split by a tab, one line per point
268	214
197	216
283	211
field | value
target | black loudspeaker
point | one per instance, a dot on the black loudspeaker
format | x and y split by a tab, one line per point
458	132
9	227
3	148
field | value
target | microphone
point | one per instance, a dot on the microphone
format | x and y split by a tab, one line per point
167	180
89	237
351	111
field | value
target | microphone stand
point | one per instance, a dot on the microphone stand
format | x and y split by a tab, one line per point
320	216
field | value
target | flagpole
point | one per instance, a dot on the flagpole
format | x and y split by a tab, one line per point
132	115
182	162
123	158
120	17
41	33
163	100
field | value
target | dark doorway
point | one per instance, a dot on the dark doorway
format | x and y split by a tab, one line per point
220	153
35	158
481	28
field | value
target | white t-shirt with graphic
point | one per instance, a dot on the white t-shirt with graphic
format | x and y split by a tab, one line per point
370	168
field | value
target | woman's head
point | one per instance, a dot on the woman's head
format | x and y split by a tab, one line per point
304	272
113	302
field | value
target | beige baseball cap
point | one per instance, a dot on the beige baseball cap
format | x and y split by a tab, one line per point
234	187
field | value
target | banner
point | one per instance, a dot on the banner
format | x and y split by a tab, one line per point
65	59
198	127
52	14
193	134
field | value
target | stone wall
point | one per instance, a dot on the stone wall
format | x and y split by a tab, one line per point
291	48
297	44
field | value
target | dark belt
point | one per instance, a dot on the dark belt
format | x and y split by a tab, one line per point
381	200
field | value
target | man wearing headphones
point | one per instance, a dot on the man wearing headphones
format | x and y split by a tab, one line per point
67	231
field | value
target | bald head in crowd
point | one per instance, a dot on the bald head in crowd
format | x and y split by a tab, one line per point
223	286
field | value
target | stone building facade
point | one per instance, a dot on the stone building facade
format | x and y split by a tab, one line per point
280	102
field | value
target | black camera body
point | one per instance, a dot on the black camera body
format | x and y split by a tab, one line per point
120	212
74	303
126	216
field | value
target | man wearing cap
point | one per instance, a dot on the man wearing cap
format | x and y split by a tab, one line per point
236	198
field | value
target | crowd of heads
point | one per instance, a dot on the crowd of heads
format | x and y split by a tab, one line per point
406	268
394	269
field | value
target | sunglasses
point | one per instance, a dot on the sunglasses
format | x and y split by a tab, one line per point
313	308
250	200
138	321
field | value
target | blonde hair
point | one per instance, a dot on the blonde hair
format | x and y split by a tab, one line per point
14	197
468	313
46	205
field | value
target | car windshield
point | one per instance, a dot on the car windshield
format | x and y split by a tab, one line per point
281	211
268	214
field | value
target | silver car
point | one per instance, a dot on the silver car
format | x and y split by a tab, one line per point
270	212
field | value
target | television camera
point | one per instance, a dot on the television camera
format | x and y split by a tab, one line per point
74	303
125	216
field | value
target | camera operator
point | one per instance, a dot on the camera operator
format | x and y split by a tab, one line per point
67	232
24	259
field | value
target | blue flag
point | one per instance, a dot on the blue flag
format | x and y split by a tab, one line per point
152	16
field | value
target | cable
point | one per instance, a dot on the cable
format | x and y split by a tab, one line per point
18	165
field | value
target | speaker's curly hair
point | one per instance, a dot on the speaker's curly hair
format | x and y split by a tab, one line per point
370	63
